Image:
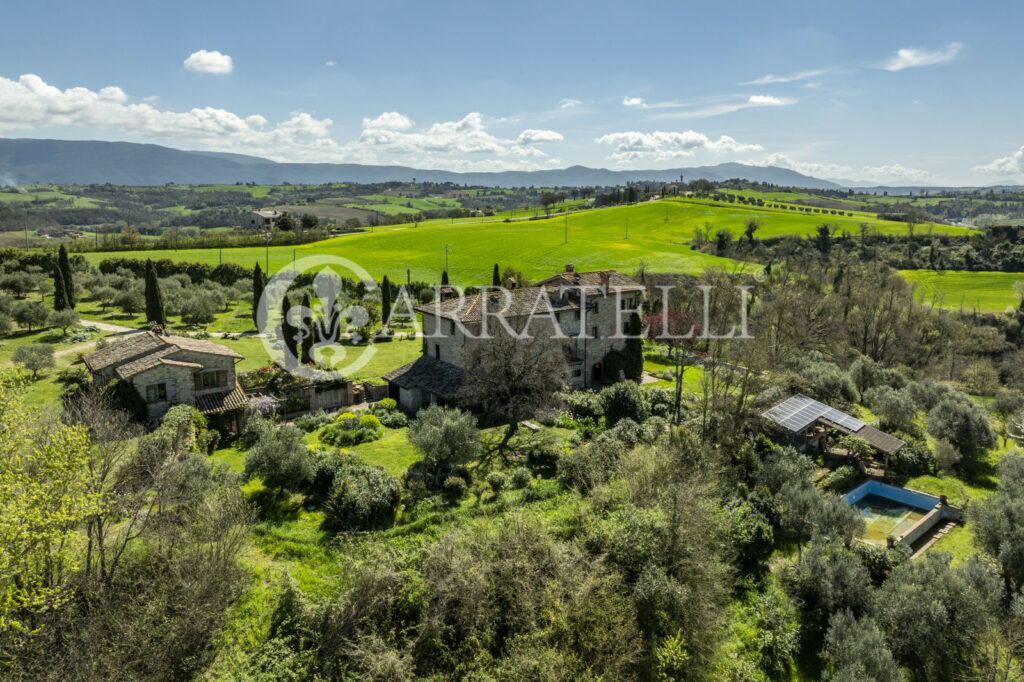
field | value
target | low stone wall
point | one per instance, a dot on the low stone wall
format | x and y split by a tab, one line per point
924	524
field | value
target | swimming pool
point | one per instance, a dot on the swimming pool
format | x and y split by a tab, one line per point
890	511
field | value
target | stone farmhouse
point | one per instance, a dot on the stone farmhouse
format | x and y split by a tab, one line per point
589	307
168	370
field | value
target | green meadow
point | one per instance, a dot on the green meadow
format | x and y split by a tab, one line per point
982	291
658	236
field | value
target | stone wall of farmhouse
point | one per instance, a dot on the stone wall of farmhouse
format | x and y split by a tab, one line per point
210	362
180	386
599	322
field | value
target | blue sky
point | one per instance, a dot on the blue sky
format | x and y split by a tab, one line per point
898	92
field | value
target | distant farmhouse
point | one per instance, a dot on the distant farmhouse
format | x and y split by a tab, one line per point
594	299
264	220
167	370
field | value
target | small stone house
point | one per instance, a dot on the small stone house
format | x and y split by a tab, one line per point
168	370
587	307
264	220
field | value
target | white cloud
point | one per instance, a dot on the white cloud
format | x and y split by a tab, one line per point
729	107
662	146
31	103
771	79
887	174
641	103
330	62
389	120
533	136
909	57
209	61
1006	165
569	103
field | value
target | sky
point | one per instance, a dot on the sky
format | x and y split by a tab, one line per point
897	93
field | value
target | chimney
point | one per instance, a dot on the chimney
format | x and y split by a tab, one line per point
510	283
446	293
606	278
569	267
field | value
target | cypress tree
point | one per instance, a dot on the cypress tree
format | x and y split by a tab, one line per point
60	293
154	297
288	332
307	340
65	272
496	277
444	278
259	283
385	300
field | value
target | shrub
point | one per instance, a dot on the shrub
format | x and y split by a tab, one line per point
584	404
361	498
393	419
498	481
369	421
454	489
281	459
521	477
312	422
385	405
624	400
349	429
326	463
913	459
841	479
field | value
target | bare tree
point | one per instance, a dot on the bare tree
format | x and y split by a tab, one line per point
511	378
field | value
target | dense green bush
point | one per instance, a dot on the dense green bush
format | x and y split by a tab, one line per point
913	459
312	422
393	419
281	459
348	430
498	481
361	498
624	400
841	479
454	489
583	404
521	477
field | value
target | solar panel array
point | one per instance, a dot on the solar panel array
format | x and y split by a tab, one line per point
799	412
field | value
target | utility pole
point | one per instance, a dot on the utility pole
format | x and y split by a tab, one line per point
627	227
566	230
267	236
446	246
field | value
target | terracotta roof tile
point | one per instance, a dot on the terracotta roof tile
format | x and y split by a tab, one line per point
226	401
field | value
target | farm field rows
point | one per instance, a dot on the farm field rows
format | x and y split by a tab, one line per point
982	291
658	233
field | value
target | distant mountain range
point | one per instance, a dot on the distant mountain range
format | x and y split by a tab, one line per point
72	162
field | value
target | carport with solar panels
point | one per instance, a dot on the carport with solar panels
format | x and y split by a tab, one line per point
798	414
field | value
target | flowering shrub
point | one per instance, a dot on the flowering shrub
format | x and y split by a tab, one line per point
349	429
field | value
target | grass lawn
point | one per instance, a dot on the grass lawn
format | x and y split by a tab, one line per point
236	319
658	236
393	451
45	391
983	291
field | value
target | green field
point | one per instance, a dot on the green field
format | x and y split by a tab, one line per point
658	237
982	291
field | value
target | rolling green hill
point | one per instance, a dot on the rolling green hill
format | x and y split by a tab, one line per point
658	236
982	291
